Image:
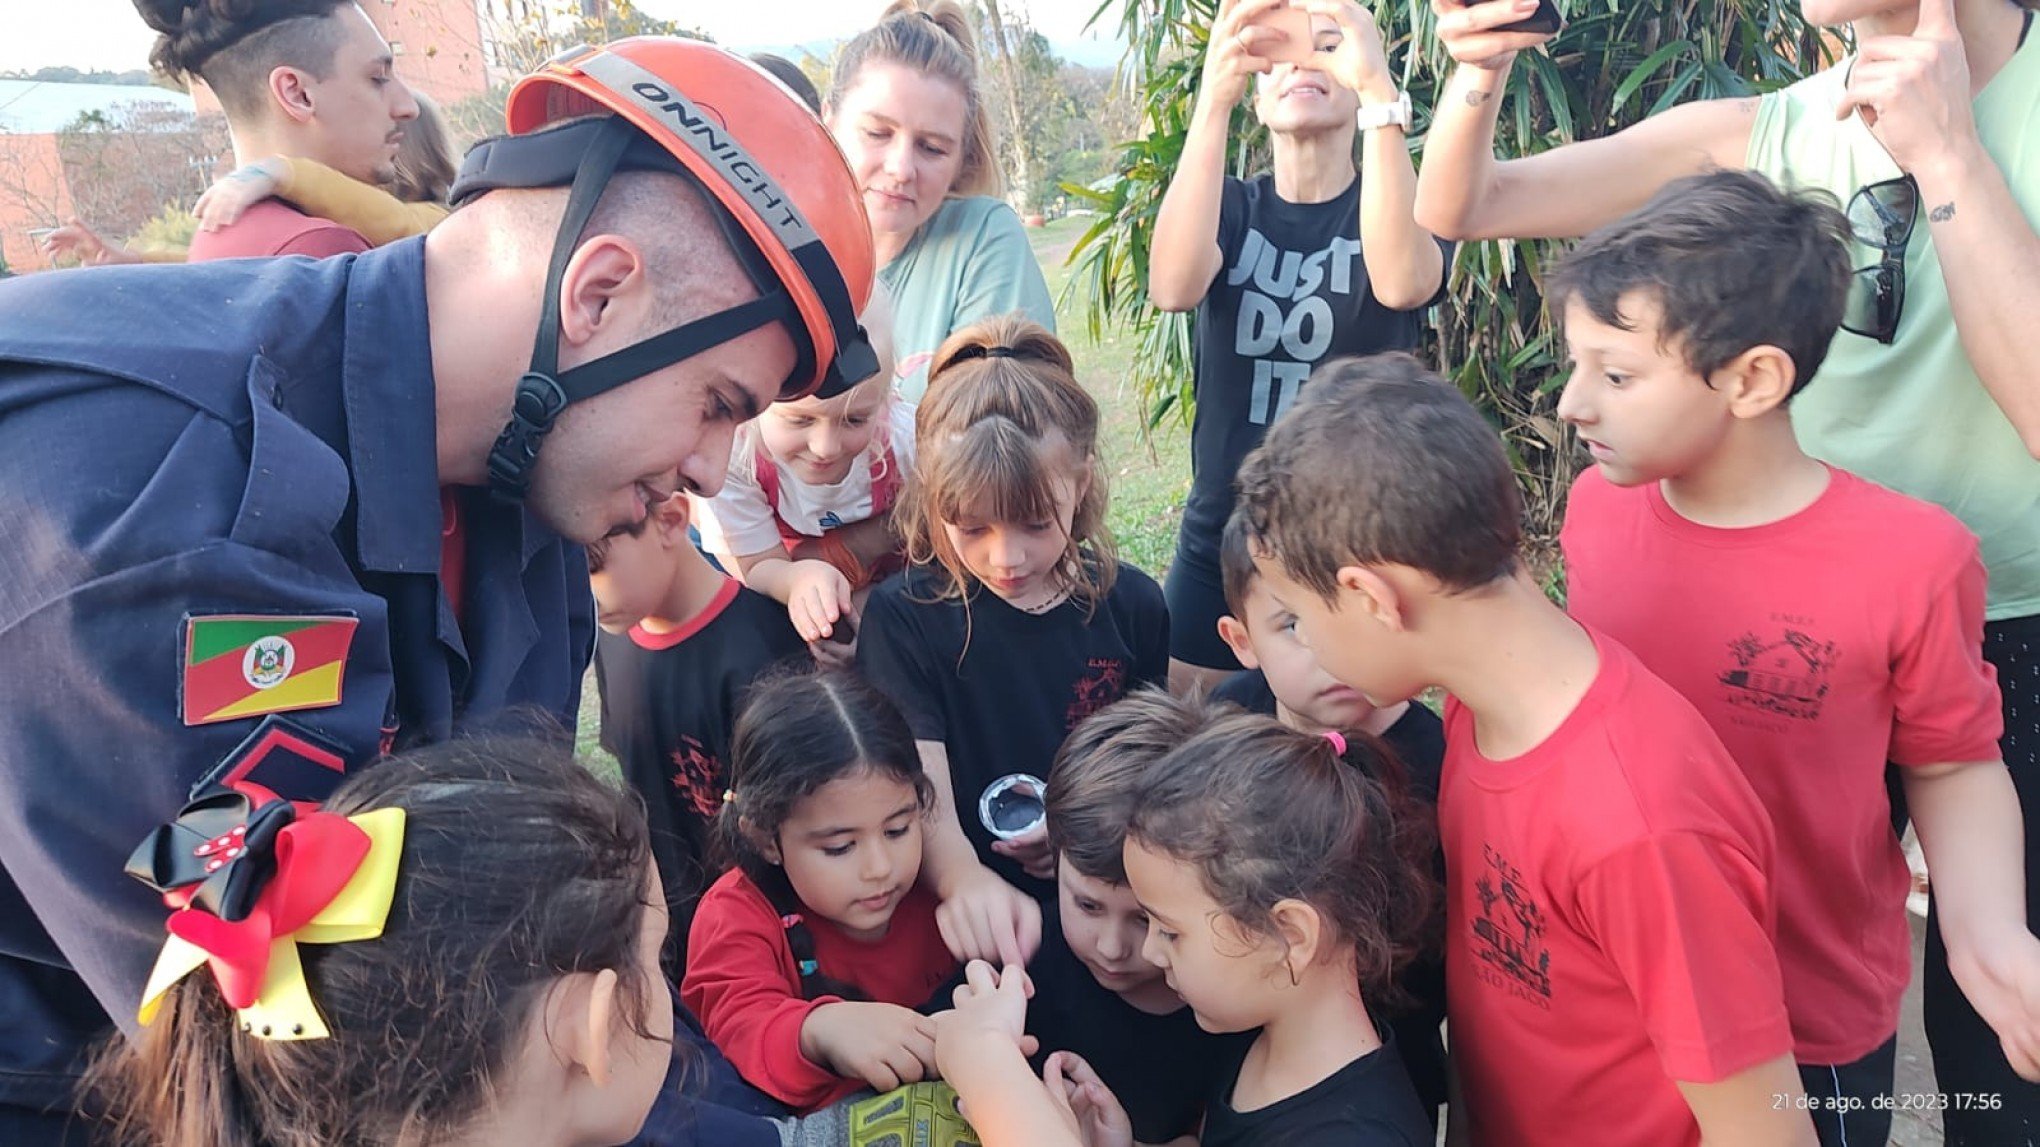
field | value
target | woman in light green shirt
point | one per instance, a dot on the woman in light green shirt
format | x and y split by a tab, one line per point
905	107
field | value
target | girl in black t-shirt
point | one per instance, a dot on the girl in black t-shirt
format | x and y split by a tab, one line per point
1013	621
1284	889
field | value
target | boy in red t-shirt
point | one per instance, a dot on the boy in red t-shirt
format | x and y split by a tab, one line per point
1821	624
1608	946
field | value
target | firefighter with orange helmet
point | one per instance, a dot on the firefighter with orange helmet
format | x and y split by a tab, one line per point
266	519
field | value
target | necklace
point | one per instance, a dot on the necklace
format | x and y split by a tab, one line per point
1055	599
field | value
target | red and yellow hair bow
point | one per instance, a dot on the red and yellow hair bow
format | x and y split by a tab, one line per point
250	876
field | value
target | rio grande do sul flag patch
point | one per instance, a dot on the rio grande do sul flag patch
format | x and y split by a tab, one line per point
246	665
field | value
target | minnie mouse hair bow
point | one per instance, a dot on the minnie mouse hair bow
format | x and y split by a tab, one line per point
248	877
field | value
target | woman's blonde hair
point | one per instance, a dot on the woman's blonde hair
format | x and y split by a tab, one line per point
1002	394
425	161
934	38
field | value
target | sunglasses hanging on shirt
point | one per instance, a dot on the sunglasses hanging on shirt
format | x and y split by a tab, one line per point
1881	216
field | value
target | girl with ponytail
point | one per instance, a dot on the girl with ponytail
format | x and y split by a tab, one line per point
1286	888
1014	619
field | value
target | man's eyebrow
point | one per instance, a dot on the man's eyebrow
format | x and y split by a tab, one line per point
746	401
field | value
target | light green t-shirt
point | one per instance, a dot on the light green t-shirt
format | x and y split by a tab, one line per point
1913	415
969	261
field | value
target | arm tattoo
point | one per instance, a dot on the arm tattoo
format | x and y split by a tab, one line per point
1943	213
1477	98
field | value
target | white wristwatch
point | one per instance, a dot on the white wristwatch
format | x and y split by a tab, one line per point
1384	115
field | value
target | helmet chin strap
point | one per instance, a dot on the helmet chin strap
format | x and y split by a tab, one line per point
544	391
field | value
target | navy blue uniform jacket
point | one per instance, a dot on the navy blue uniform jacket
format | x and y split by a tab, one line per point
240	437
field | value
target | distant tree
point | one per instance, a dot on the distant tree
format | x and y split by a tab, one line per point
524	34
114	168
1029	104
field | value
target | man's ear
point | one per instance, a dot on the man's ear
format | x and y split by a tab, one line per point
290	89
1233	632
604	276
1757	381
1368	589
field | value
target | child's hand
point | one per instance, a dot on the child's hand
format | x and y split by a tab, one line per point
884	1045
237	191
1467	29
1032	850
990	1009
984	918
1078	1091
817	596
830	655
82	243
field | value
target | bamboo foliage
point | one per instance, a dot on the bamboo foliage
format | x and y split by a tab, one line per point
1614	64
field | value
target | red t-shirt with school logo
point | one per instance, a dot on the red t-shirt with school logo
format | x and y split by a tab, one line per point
1609	920
1818	647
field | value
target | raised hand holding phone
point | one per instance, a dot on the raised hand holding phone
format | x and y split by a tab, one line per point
1913	92
1286	36
1360	62
1487	34
1237	50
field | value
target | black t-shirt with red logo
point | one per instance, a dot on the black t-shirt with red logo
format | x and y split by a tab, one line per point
1000	687
669	705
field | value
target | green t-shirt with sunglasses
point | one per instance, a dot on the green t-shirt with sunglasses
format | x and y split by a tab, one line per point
1913	415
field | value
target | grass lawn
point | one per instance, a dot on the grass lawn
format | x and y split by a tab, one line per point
1148	479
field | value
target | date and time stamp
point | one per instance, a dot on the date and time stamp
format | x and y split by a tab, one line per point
1911	1101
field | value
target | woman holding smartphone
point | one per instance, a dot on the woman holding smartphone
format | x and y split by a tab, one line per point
1304	263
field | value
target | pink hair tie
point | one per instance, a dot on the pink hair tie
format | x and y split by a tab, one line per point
1338	741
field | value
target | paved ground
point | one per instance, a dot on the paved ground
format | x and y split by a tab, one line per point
1915	1066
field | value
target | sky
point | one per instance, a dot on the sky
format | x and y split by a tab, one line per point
108	35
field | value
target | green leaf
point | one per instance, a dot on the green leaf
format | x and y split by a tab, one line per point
1648	70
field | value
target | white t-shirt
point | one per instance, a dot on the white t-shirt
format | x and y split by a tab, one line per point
739	520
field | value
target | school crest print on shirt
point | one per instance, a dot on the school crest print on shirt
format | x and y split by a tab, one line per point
1508	932
1782	675
1102	682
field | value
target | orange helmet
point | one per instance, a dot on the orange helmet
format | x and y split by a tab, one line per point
777	185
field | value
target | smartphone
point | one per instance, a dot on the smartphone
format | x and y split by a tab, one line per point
1546	19
1297	45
